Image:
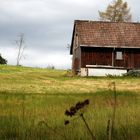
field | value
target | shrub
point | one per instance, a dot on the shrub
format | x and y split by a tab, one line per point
133	73
2	60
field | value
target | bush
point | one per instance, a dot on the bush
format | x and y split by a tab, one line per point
133	73
2	60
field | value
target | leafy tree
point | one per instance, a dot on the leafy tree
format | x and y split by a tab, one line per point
117	11
2	60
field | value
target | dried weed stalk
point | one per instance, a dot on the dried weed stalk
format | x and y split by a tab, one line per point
74	111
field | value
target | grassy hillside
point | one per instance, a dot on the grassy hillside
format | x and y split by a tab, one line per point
33	102
35	80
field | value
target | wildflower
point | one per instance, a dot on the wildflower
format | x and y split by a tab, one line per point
86	102
67	113
78	106
73	109
66	122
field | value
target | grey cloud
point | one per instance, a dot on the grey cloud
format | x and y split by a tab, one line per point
47	24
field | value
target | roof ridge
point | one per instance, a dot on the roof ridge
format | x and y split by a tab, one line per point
98	21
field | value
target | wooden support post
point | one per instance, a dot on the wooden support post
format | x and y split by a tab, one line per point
113	56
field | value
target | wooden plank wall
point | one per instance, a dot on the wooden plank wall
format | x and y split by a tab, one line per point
95	56
103	56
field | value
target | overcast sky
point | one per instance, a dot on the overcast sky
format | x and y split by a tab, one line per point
47	26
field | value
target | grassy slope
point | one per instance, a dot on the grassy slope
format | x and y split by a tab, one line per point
31	95
35	80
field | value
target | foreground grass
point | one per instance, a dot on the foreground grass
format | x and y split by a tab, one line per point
33	102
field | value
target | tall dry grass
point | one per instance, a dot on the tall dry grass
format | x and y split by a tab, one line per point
33	102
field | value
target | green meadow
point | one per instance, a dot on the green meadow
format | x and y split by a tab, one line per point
33	102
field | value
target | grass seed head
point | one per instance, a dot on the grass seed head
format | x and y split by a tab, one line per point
74	109
66	122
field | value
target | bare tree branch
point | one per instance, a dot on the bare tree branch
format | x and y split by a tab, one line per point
21	47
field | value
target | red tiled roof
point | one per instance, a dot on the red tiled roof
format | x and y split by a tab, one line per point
115	34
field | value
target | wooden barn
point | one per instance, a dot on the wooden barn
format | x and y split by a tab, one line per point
101	48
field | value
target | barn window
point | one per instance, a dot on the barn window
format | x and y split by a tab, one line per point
119	55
